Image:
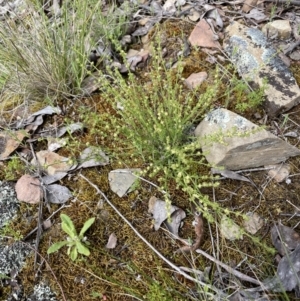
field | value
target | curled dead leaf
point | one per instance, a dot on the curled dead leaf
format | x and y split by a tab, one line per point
199	230
160	210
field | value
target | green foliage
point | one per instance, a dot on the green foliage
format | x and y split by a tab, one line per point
44	57
75	243
157	292
243	96
14	169
154	120
9	231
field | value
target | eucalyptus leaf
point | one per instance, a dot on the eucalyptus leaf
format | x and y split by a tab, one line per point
86	226
55	247
82	249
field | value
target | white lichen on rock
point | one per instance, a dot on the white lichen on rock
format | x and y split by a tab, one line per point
9	204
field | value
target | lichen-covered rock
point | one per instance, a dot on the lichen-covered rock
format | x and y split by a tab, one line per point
231	141
41	292
9	203
12	257
257	61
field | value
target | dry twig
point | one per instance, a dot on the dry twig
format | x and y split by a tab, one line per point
172	265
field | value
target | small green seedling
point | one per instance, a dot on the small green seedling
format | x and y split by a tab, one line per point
75	243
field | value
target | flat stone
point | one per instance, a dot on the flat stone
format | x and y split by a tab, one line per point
195	80
203	36
279	28
229	140
121	180
256	60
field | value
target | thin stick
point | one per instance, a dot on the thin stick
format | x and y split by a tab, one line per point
55	278
36	228
177	269
230	269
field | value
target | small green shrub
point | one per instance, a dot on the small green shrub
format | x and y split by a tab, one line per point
153	120
75	243
157	292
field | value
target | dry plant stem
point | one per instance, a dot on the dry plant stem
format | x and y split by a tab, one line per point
36	251
40	213
172	265
293	2
229	269
36	228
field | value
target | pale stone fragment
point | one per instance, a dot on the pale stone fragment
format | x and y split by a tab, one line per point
279	172
52	162
203	36
29	189
253	223
279	28
195	80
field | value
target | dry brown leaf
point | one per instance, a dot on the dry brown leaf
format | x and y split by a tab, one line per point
58	194
203	36
92	156
288	270
29	190
9	142
53	163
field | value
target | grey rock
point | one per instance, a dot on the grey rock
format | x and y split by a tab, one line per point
229	140
256	61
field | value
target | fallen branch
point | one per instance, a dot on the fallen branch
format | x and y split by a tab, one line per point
230	269
172	265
